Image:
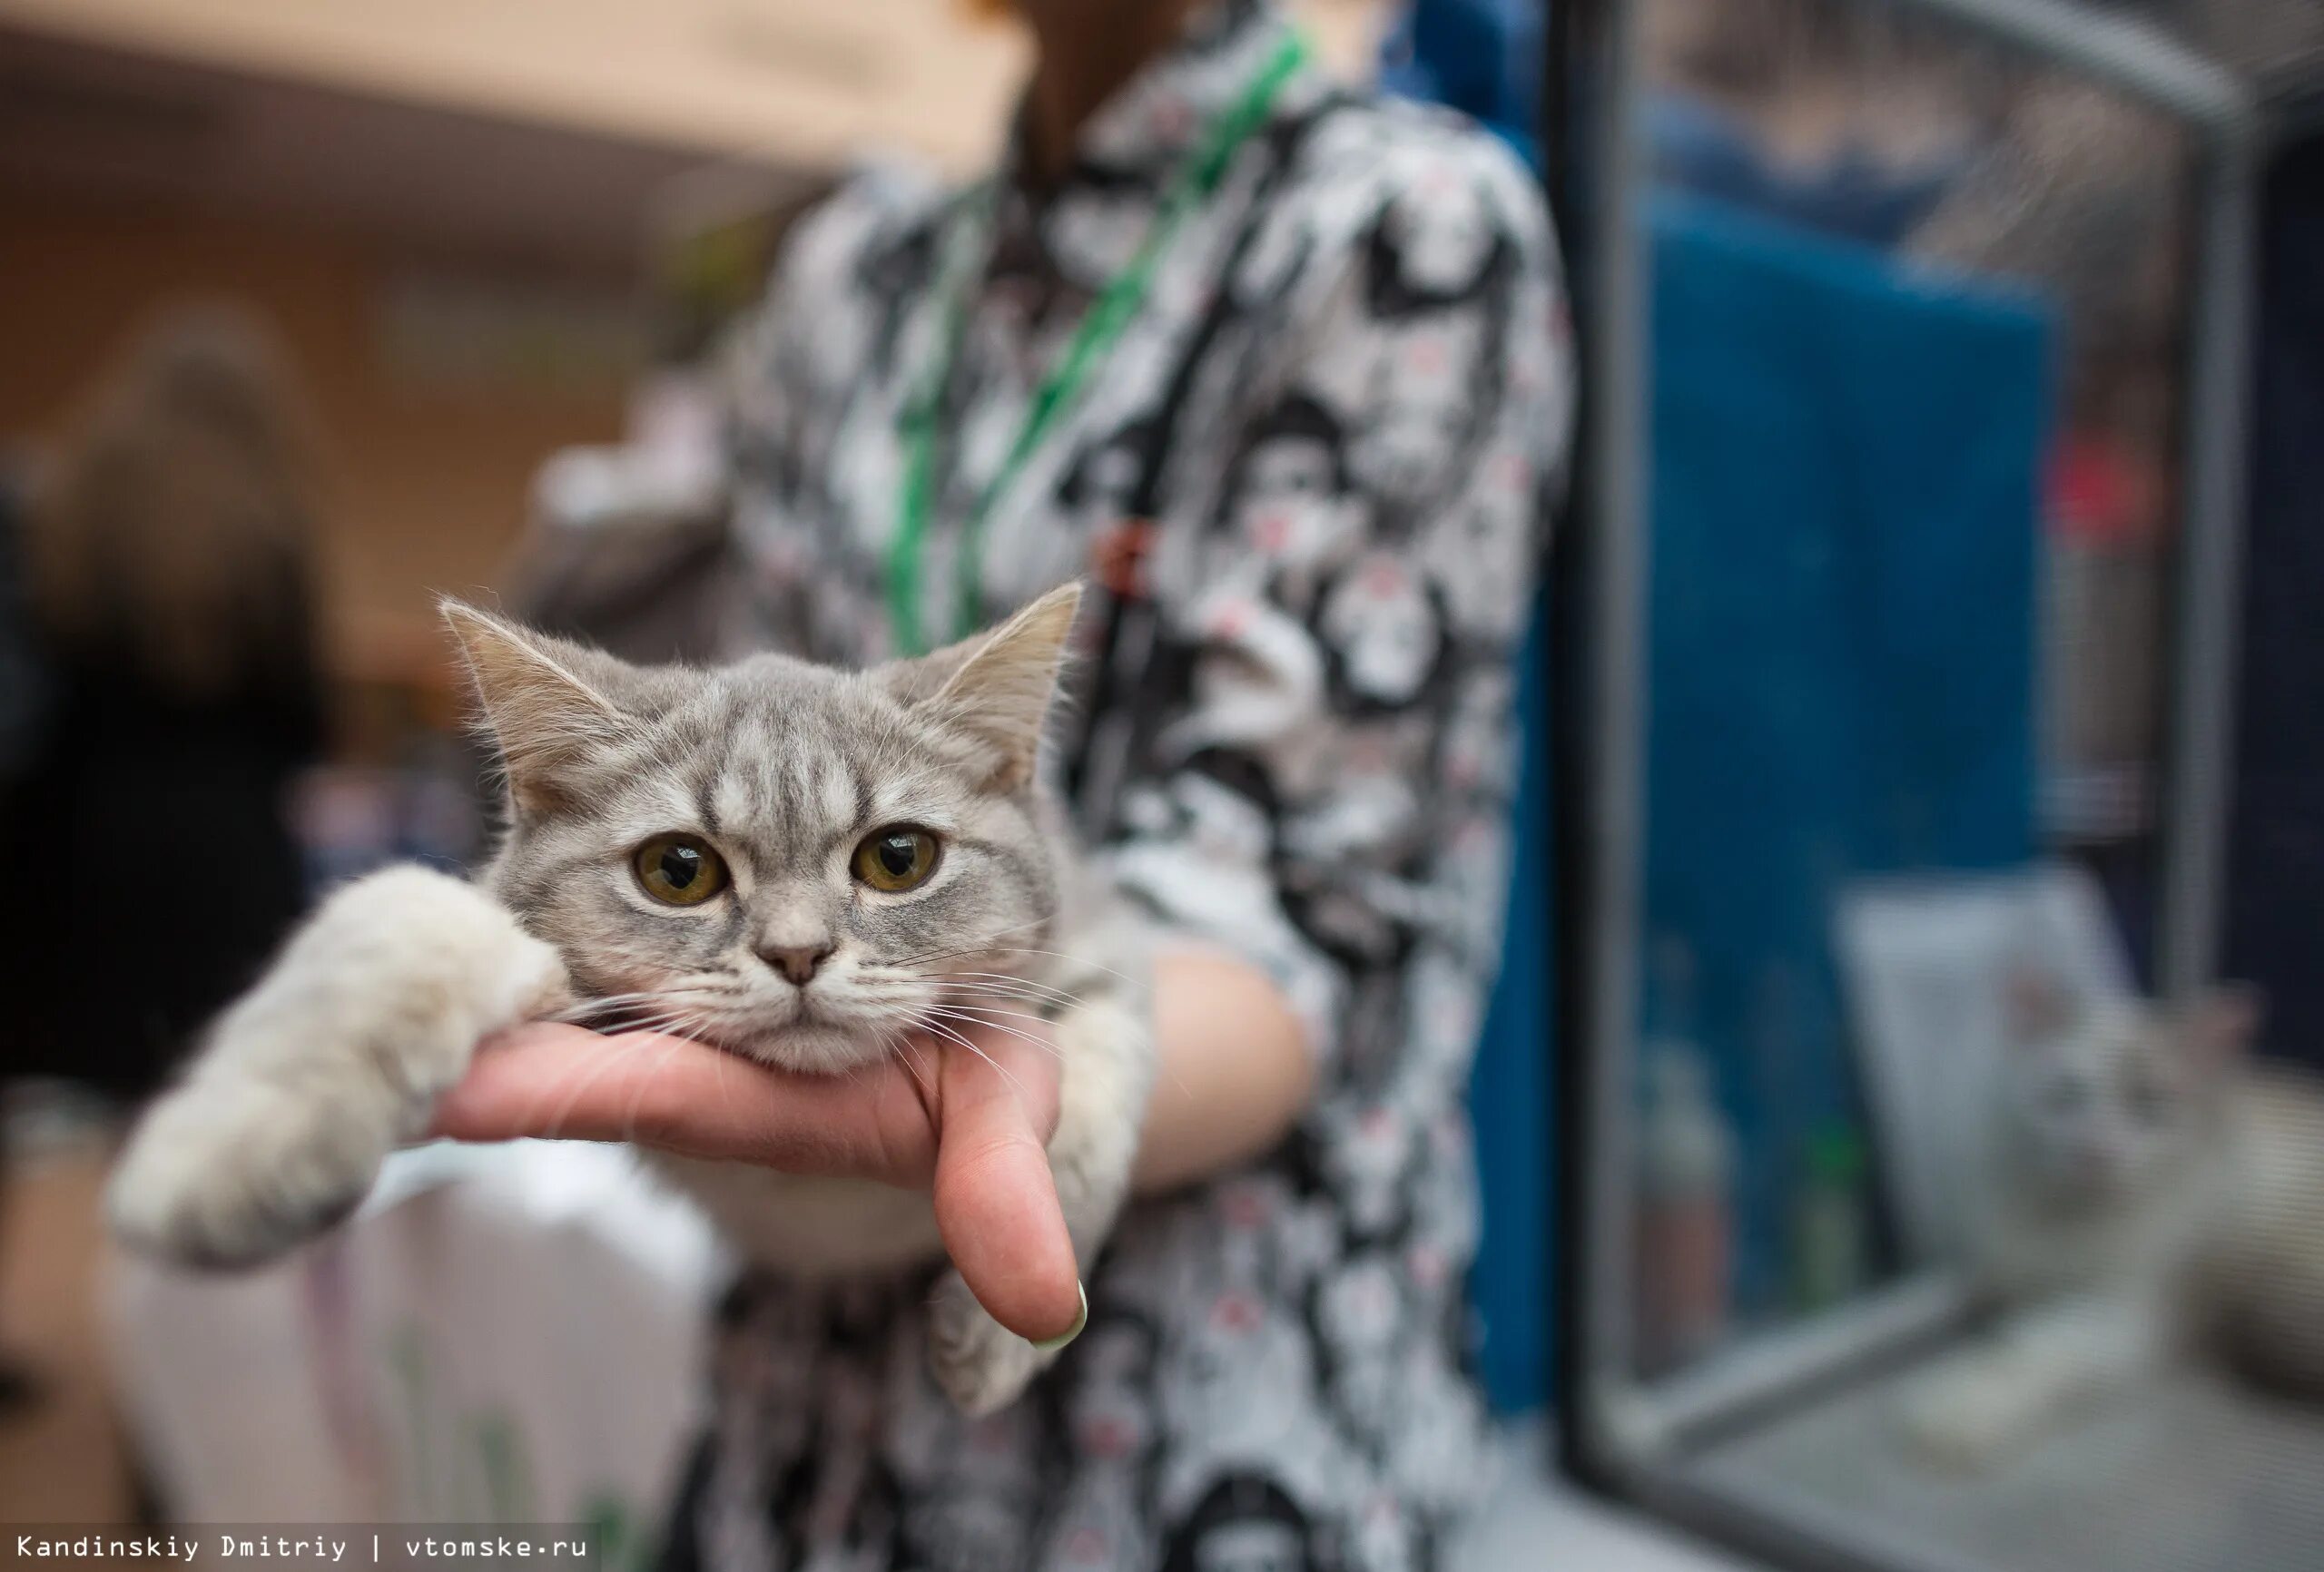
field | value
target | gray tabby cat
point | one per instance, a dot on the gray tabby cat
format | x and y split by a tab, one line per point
2148	1197
793	863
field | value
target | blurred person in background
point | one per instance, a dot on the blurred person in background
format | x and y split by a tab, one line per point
24	708
1281	368
167	555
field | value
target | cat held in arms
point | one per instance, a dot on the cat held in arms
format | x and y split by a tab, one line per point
795	864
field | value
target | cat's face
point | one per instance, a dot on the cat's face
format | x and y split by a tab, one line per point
2101	1099
792	862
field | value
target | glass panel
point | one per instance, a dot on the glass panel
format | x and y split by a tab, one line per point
1917	336
1918	333
1917	321
2276	41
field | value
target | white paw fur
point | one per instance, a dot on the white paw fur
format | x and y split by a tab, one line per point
308	1081
980	1364
1976	1410
1108	1064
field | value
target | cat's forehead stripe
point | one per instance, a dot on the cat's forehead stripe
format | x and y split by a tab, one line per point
833	787
668	798
730	801
761	756
915	794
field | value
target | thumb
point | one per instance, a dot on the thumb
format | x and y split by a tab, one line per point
996	1199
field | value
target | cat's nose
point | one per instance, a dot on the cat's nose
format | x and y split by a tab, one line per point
799	962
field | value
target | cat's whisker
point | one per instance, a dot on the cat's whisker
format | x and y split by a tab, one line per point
908	1051
668	1010
637	1099
978	949
1048	1048
1023	1034
629	1015
1003	976
977	1004
994	1010
671	1021
973	1010
941	1030
1000	981
579	1014
725	1092
1080	960
1011	975
580	1088
580	1008
1040	1003
898	1044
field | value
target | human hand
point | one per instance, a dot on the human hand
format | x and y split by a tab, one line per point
972	1128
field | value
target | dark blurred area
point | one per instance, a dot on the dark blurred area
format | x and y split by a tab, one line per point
297	319
287	344
167	572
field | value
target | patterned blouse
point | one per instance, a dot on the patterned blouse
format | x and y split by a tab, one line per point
1309	476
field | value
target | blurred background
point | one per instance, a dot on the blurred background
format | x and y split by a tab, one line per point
1942	1124
301	303
1924	729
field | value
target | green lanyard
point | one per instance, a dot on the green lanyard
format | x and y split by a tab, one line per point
1101	327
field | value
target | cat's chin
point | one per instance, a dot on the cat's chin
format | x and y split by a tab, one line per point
813	1048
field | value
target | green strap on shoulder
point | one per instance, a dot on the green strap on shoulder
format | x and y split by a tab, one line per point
1117	305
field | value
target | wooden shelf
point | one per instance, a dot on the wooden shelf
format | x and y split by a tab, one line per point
799	81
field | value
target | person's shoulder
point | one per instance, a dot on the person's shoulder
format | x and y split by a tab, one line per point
1372	158
842	264
850	258
1412	132
878	207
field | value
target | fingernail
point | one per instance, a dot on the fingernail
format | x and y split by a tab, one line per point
1051	1344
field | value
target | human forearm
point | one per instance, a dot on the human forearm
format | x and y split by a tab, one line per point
1235	1069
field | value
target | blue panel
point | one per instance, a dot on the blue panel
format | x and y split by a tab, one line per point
1484	58
1509	1094
1842	621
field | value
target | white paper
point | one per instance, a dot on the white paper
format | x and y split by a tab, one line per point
1924	964
503	1334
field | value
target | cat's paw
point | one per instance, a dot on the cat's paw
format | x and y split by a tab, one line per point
308	1081
227	1173
980	1364
1965	1417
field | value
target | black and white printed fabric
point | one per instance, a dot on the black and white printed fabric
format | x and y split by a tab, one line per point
1310	478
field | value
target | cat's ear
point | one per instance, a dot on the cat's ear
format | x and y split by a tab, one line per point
997	687
2218	1026
2035	1005
545	701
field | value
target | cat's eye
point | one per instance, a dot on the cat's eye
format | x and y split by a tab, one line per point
2064	1098
679	869
898	858
2146	1100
